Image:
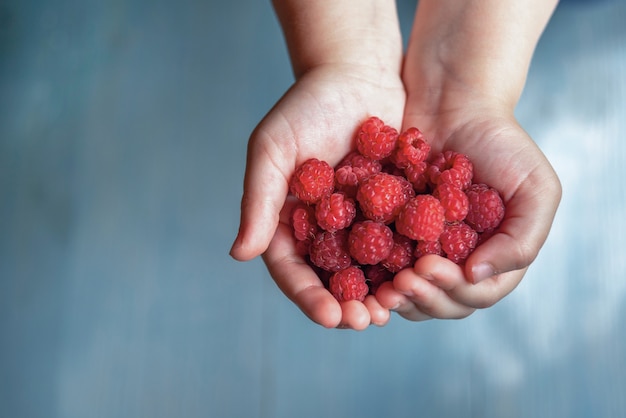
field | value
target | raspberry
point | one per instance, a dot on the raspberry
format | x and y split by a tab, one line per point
312	180
422	218
348	284
303	222
486	208
427	247
376	140
417	174
329	250
458	240
453	200
411	149
386	205
352	170
376	274
401	255
382	195
335	212
451	167
370	242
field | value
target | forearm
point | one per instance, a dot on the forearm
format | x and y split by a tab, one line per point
473	48
363	34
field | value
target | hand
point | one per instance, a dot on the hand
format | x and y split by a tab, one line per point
506	158
317	117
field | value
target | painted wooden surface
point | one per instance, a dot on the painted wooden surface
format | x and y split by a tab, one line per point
123	128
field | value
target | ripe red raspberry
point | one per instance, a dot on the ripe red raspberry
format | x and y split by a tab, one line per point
422	218
329	250
382	195
401	255
303	222
486	208
370	242
335	212
376	274
376	140
348	284
427	247
451	167
411	148
458	240
352	170
453	200
312	180
417	174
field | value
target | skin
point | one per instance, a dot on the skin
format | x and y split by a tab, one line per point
459	82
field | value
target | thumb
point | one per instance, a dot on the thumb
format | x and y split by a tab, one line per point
522	233
265	189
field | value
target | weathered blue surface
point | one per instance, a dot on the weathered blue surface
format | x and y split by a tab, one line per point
123	128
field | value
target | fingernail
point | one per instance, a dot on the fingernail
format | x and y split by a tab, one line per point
482	271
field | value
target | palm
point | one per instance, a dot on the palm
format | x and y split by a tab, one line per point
317	117
506	158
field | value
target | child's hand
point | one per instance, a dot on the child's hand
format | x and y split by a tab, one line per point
506	158
316	118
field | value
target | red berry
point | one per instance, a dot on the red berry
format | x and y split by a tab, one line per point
458	240
417	174
382	195
312	180
451	167
453	200
376	274
329	250
428	247
370	242
411	148
422	218
486	208
303	222
348	284
352	170
335	212
376	140
401	255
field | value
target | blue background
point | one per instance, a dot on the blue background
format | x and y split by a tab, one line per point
123	130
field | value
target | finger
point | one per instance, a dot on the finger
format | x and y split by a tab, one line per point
266	184
379	315
449	277
530	211
299	282
390	298
355	315
426	295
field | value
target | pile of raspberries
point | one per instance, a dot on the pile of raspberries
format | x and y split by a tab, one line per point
384	206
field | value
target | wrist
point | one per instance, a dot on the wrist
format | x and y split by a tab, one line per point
363	34
476	50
